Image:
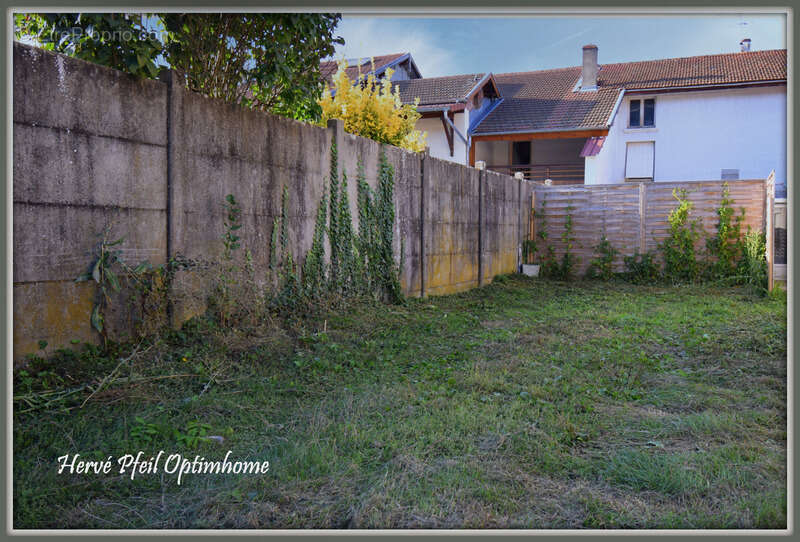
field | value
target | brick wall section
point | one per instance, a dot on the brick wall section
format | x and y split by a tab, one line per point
93	146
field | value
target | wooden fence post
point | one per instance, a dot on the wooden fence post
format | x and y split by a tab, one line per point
532	216
520	211
423	159
642	218
769	226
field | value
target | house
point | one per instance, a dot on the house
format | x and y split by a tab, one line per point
402	64
450	107
704	117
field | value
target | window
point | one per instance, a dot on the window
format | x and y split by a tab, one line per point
642	113
730	175
639	160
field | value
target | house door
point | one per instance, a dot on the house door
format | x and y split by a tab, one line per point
521	153
640	160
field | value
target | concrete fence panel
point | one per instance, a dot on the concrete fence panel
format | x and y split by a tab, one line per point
95	147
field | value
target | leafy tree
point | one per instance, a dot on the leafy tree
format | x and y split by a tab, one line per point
117	40
266	61
371	109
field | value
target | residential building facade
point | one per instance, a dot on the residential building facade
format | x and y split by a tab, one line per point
704	117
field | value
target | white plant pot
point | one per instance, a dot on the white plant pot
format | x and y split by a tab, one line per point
531	270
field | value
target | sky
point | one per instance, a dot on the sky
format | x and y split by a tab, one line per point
449	46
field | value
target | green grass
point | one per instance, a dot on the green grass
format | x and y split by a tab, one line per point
523	404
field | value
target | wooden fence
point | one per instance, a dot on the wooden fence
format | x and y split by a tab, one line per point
633	216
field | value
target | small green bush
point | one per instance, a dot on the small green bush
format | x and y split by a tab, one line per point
725	247
680	260
753	265
602	266
641	268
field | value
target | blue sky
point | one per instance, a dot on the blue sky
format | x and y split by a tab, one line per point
447	46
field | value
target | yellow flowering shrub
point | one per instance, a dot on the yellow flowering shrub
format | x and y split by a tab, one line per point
371	109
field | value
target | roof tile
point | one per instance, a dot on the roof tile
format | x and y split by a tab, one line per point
545	100
328	69
438	90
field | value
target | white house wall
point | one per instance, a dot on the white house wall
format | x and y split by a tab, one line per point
697	134
437	140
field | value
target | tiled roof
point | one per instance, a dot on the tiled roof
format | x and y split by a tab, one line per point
437	90
723	69
328	69
545	101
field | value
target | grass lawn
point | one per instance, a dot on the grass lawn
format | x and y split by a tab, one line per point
523	404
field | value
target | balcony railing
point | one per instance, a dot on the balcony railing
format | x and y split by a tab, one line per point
558	173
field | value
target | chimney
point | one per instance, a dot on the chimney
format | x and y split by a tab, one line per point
745	45
589	74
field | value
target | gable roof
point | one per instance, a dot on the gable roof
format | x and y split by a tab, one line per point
363	66
729	68
548	100
441	91
544	101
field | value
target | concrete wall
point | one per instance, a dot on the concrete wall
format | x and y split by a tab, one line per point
90	149
697	134
93	147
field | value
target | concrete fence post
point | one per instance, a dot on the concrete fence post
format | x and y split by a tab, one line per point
336	127
174	109
480	165
422	186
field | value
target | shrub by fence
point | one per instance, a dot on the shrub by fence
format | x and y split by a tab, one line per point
633	217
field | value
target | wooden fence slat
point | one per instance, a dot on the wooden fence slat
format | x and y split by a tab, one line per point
633	216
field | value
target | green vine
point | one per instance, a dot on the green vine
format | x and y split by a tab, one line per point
602	266
680	260
568	259
333	225
345	242
314	266
233	216
364	262
725	248
547	260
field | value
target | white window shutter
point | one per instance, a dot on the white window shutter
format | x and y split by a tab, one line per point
639	160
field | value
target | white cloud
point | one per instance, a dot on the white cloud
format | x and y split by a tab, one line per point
370	36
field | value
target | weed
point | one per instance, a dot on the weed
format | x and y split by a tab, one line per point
753	265
641	268
602	266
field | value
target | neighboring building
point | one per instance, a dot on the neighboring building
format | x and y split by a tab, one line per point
703	117
402	64
450	108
